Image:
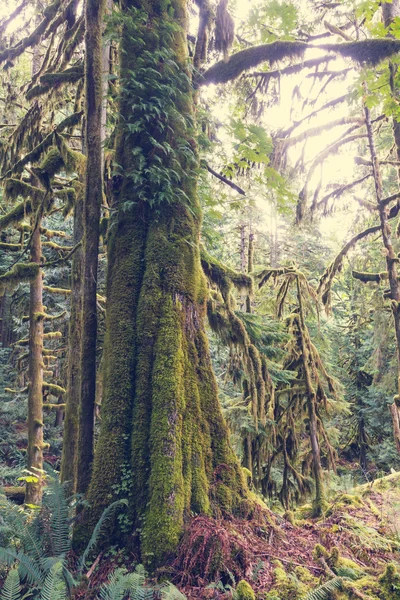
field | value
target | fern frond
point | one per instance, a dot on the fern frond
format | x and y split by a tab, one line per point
28	568
170	592
122	583
11	589
55	501
54	587
115	588
25	531
107	514
324	591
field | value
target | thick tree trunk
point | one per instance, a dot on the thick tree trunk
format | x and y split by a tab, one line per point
70	434
161	425
35	369
91	211
391	261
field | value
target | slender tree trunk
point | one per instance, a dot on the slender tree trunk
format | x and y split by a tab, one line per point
161	421
250	264
391	261
70	434
243	260
33	493
319	501
91	211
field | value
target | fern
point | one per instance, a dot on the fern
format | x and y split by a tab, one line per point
324	591
22	529
170	592
55	501
28	568
54	587
348	573
107	514
121	583
11	589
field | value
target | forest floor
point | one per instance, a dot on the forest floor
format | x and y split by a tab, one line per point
358	536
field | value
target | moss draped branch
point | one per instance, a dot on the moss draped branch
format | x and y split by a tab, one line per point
370	52
326	280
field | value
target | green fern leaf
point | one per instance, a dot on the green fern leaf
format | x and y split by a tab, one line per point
107	514
28	568
11	589
55	501
27	531
54	587
170	592
324	591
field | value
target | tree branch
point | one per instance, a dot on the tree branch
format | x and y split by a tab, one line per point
225	180
370	52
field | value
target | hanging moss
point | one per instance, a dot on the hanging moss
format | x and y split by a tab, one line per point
224	277
15	188
73	161
20	273
54	80
222	72
51	164
11	53
370	52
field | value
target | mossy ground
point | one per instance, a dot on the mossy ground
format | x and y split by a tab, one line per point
355	540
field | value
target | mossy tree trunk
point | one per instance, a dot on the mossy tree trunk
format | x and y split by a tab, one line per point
162	430
70	434
33	493
319	500
94	10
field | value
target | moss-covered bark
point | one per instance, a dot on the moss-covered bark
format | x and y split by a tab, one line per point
161	427
91	225
33	493
68	460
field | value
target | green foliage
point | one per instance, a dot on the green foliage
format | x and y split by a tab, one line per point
11	589
325	591
39	545
151	95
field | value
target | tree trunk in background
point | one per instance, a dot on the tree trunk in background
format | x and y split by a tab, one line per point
391	261
33	493
91	211
319	500
68	459
161	421
390	11
250	264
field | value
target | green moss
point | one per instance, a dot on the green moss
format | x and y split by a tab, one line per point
19	273
53	389
52	163
288	586
244	591
390	583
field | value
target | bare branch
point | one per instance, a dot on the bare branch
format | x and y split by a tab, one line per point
225	180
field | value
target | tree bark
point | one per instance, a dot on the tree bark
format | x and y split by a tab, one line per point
319	501
35	370
391	260
91	215
161	425
70	434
